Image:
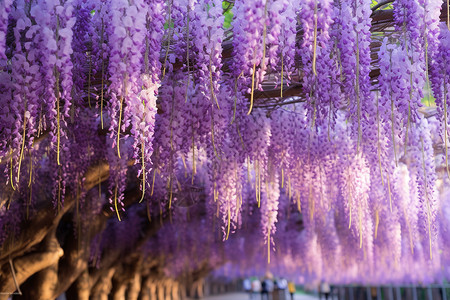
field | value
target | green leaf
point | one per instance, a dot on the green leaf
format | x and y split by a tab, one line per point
227	13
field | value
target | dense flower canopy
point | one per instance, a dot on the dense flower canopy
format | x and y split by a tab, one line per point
312	134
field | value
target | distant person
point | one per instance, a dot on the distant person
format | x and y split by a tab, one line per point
265	289
270	286
247	285
282	285
291	288
276	290
324	290
373	293
256	287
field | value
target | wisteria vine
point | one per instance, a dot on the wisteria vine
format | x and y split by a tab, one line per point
302	112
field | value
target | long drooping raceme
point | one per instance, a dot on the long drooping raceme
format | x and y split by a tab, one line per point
5	9
249	44
440	78
25	101
287	40
311	133
316	21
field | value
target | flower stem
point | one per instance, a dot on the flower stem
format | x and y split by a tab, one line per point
408	124
171	191
389	191
256	181
350	206
194	168
31	169
268	241
11	170
184	165
103	75
58	118
143	171
153	182
187	52
315	39
115	203
358	100
427	198
29	201
120	124
253	89
360	225
235	96
282	75
229	222
263	63
213	95
377	222
448	14
212	134
23	145
168	40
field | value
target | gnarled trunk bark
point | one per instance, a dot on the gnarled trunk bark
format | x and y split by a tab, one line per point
160	289
175	291
80	289
118	290
42	285
134	287
26	266
144	293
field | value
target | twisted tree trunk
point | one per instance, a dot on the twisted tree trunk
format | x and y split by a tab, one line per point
103	287
24	267
43	284
134	287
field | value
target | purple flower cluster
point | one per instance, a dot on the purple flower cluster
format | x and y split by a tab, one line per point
395	102
26	90
440	79
316	20
287	38
354	51
343	178
249	29
5	9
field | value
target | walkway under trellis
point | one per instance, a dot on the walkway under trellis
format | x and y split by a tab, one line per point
244	296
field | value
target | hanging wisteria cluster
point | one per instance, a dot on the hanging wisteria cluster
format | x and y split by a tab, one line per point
302	112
